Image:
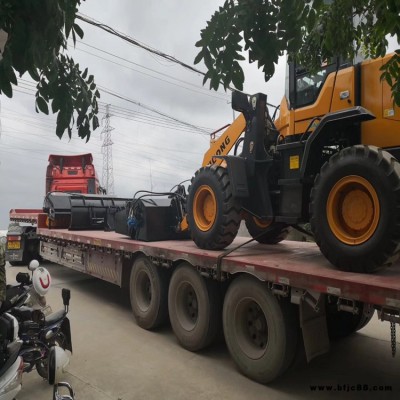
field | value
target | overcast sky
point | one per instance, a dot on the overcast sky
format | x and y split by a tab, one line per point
148	152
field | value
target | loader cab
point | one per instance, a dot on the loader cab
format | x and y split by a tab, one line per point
311	95
303	86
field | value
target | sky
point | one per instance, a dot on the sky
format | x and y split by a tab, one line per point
148	152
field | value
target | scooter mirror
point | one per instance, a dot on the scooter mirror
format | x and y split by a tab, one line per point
33	265
66	295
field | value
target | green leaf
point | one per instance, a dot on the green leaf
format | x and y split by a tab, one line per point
199	57
42	105
78	30
5	85
34	74
95	122
55	105
238	77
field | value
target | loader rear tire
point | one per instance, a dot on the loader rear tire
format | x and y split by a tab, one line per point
268	232
355	209
213	211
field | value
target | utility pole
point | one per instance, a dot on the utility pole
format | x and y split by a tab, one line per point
106	150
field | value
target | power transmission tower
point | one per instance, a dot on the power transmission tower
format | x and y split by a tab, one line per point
106	150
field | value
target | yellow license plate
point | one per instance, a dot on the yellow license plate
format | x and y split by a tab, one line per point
14	245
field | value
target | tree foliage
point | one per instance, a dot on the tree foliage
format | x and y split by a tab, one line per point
310	31
37	42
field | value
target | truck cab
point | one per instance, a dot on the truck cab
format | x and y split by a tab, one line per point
72	174
64	173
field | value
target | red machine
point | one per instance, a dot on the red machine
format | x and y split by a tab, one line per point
73	174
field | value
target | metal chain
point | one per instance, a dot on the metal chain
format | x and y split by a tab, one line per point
393	337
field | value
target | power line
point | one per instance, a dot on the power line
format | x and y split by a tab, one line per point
135	42
197	89
111	93
197	129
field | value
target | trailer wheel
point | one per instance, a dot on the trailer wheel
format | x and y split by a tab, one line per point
341	324
266	232
149	293
16	263
261	332
194	308
213	212
355	209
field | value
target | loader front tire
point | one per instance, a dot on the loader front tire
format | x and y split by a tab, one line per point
355	209
213	212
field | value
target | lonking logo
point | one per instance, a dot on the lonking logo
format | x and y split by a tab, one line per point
221	149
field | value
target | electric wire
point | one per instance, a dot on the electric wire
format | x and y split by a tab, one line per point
135	42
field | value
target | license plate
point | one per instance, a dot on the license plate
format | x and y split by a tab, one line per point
14	245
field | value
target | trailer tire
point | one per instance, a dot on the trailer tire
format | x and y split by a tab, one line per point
213	211
355	209
149	293
16	263
266	232
341	324
194	308
261	331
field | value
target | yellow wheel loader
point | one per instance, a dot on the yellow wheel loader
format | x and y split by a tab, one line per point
330	158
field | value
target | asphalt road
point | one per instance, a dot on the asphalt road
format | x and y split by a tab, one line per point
114	359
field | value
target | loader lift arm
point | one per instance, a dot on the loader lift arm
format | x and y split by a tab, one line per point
223	145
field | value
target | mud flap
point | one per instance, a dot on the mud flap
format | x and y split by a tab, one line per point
66	330
314	328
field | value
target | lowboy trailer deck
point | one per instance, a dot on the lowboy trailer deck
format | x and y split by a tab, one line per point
267	299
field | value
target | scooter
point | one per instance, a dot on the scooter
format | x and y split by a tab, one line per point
31	290
11	364
39	333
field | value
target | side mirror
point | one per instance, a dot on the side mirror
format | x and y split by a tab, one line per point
66	296
34	264
57	362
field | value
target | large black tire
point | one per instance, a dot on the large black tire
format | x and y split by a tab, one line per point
355	209
341	324
261	331
213	212
149	293
194	308
266	233
17	263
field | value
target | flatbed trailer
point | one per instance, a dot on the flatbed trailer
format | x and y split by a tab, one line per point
267	299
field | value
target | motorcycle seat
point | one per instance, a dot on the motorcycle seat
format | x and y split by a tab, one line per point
55	317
